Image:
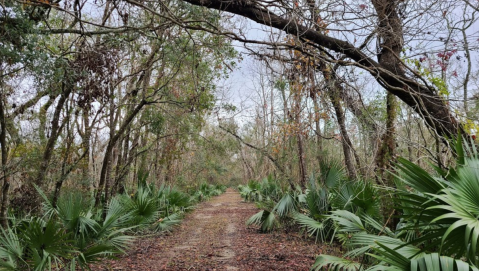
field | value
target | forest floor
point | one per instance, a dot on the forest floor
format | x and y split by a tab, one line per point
215	237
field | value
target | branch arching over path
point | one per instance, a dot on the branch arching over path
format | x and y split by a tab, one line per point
422	98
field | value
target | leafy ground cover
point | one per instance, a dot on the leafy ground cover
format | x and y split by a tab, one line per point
215	237
72	233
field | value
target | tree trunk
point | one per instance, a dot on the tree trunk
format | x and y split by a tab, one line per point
86	136
109	148
4	153
42	117
334	91
65	168
346	142
55	132
386	152
299	139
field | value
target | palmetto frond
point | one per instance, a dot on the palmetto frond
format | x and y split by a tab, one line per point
265	219
166	223
395	260
11	249
286	205
335	263
321	230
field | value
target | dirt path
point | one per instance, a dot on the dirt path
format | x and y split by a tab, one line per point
215	237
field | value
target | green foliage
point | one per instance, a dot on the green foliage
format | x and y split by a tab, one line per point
167	223
36	245
173	200
433	261
251	191
143	206
206	191
436	80
357	196
265	219
73	234
286	205
444	211
335	263
319	228
331	173
271	189
439	227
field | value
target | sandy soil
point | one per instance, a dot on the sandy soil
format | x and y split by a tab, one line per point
215	237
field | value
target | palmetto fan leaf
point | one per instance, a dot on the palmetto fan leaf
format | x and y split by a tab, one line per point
335	263
364	242
440	263
265	219
117	214
446	212
175	201
285	205
395	260
317	203
143	207
419	179
439	214
320	229
348	222
166	223
359	196
11	249
461	212
75	215
45	243
271	189
331	172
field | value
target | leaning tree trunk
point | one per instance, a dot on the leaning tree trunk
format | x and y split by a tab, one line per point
346	142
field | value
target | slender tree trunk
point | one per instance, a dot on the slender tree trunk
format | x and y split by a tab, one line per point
4	150
111	143
317	117
302	164
109	162
42	117
65	168
118	172
468	73
385	158
299	139
390	40
86	137
108	180
409	135
55	132
386	152
335	91
346	142
248	169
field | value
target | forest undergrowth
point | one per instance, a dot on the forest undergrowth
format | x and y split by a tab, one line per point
73	233
427	221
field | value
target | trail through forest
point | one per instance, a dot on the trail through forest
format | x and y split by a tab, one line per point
215	237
